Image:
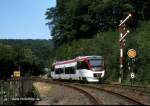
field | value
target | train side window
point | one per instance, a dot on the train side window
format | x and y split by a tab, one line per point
58	71
72	70
67	70
61	70
82	65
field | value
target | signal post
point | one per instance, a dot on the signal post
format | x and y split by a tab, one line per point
131	54
123	34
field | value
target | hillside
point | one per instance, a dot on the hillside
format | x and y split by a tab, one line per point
40	48
28	56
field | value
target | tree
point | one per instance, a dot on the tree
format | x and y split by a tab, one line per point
7	65
15	57
82	19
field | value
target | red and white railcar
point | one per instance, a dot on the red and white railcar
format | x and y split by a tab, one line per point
86	68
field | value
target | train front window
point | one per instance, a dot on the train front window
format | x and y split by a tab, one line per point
96	64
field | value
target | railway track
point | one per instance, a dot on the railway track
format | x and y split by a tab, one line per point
91	98
142	89
114	93
82	88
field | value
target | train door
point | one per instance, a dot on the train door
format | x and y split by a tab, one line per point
63	73
83	69
52	74
72	73
66	73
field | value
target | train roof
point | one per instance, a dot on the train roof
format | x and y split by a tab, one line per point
94	56
77	58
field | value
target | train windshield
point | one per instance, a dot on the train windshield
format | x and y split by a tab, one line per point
97	64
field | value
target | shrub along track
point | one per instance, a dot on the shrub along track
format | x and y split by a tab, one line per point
83	88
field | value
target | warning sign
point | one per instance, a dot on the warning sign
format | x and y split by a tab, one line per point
16	74
131	53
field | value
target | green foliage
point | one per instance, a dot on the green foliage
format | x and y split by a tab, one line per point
87	27
30	55
96	46
78	19
40	48
143	47
143	41
107	45
9	52
6	60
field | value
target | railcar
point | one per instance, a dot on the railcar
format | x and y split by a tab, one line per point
82	68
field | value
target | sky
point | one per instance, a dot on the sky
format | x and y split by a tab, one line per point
24	19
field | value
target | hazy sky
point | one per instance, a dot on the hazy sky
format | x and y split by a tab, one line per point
24	19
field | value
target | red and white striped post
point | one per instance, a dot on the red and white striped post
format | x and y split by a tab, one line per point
123	33
121	56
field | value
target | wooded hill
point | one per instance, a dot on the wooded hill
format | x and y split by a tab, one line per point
30	55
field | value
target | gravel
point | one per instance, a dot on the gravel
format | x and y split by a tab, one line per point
144	98
59	95
53	94
107	98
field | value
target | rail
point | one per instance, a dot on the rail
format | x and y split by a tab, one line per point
74	85
91	98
